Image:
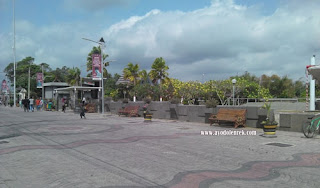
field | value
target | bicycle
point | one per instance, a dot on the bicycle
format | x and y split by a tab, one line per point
310	127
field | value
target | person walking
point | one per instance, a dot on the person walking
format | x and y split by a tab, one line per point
63	102
25	103
38	104
41	104
31	104
82	111
83	100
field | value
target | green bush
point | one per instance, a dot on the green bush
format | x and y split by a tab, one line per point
147	100
175	101
125	100
211	103
185	102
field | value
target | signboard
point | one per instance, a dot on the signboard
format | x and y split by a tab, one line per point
96	66
4	86
39	80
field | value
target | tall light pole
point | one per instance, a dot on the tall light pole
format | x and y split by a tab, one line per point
102	44
312	106
234	81
29	79
42	91
102	64
14	55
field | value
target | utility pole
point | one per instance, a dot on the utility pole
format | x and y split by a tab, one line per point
29	79
102	66
102	44
14	55
42	95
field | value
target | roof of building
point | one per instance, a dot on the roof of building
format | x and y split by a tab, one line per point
61	84
121	80
77	88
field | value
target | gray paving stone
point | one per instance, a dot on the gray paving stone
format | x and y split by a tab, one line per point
53	149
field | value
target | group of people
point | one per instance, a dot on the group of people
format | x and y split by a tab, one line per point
30	104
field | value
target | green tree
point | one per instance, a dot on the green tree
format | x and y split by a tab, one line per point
73	76
159	71
58	75
143	74
300	88
131	72
110	84
22	74
279	87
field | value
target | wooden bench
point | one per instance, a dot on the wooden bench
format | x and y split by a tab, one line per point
129	111
238	116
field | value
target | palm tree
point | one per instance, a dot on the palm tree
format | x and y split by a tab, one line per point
158	71
59	75
73	76
131	72
144	76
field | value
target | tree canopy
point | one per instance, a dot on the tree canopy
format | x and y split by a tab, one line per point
247	85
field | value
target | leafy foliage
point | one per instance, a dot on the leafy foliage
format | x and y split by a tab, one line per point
159	71
268	121
73	76
211	103
157	83
131	72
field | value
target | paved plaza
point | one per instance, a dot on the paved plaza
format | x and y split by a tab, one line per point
54	149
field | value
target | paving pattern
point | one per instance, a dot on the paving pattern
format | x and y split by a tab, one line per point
53	149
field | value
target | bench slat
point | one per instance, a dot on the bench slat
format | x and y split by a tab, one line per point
129	111
238	116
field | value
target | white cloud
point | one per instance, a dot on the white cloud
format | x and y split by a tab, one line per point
226	38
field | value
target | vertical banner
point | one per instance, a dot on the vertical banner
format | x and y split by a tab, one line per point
4	87
39	80
96	66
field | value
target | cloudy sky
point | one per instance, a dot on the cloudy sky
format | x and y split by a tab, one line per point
199	39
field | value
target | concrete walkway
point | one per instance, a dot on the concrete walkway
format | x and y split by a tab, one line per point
54	149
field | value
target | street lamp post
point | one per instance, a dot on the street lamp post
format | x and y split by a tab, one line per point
42	91
234	81
102	64
102	44
14	55
29	79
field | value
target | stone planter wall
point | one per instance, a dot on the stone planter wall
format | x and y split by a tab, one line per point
191	113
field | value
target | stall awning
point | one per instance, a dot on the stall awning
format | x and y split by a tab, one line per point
314	71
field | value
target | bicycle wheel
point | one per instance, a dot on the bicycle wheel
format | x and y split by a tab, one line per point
308	130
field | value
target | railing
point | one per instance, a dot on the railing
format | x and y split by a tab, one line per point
240	101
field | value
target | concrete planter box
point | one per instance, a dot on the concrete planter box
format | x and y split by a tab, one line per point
293	121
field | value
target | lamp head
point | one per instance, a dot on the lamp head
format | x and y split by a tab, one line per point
101	40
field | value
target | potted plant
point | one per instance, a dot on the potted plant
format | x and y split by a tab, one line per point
269	124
